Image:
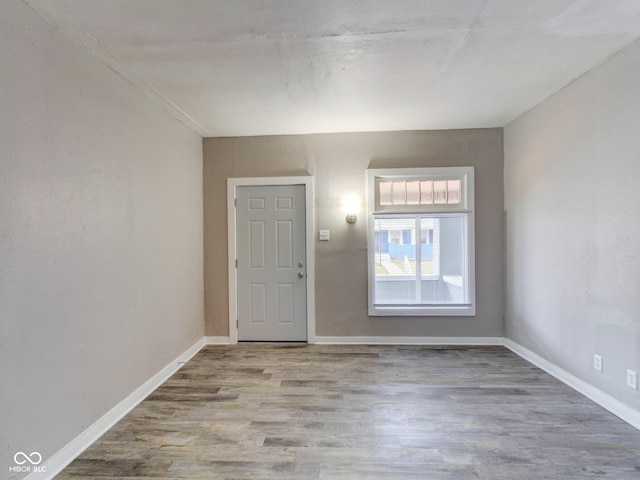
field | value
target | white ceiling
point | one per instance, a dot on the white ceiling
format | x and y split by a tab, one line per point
264	67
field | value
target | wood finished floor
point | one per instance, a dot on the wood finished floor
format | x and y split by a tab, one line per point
363	412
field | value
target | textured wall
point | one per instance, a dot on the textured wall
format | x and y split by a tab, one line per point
100	234
572	194
338	163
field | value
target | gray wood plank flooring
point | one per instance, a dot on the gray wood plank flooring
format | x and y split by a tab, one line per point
362	412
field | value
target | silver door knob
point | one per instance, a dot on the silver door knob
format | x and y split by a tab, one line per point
300	274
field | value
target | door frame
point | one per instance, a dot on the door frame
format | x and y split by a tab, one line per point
232	184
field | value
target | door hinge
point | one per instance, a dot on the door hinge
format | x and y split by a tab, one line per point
237	323
235	202
236	263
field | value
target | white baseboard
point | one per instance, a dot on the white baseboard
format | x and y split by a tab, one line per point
56	463
409	341
619	409
217	340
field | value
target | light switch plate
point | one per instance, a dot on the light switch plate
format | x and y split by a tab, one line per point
324	235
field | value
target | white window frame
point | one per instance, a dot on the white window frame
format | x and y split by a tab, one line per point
466	207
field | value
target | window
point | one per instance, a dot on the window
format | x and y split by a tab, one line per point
421	236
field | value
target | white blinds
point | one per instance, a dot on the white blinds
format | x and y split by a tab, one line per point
420	192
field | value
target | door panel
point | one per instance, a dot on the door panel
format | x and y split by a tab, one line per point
257	245
285	303
271	250
258	303
284	244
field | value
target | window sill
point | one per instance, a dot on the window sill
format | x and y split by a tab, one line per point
420	311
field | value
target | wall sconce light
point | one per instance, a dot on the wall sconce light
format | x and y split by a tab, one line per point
351	207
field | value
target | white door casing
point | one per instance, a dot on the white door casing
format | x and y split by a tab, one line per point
271	291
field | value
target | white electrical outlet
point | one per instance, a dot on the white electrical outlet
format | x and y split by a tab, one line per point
597	362
632	379
324	235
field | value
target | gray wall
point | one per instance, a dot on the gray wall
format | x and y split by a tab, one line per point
572	195
338	163
100	237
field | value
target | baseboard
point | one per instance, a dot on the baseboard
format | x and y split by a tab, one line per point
56	463
619	409
409	341
217	340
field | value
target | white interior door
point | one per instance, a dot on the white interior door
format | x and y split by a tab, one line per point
271	270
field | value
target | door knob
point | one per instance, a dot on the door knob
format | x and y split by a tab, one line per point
300	274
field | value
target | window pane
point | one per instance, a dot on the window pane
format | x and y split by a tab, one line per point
443	266
440	192
439	262
395	261
426	192
413	193
453	191
399	193
384	189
